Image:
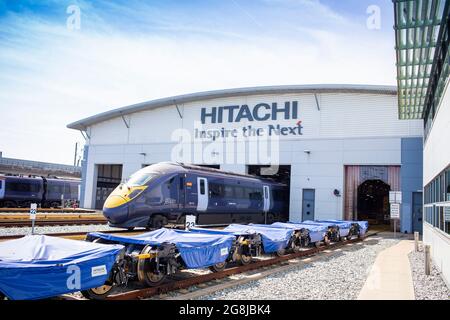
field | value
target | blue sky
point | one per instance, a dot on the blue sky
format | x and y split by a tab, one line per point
131	51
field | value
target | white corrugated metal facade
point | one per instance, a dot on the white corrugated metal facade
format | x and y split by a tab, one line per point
339	127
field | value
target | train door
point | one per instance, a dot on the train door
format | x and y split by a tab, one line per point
2	189
202	191
266	194
182	192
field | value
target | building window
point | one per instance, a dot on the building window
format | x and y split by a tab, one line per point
447	188
437	201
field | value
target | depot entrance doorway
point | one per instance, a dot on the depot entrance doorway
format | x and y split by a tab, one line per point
373	201
280	173
109	177
367	189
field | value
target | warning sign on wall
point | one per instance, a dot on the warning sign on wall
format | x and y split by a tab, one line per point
395	210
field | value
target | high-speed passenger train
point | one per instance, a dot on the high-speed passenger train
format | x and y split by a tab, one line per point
167	192
18	191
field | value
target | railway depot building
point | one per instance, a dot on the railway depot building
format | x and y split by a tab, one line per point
341	148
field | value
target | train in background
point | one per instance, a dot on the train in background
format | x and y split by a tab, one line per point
167	192
18	191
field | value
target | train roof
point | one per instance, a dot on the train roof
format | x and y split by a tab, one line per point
171	167
35	178
4	177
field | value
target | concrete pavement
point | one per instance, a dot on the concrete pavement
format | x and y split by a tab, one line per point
390	277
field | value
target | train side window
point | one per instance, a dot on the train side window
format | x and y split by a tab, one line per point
20	187
34	188
228	191
239	193
74	191
169	184
215	190
202	186
254	194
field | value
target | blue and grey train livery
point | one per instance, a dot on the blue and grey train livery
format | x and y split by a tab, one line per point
18	191
167	192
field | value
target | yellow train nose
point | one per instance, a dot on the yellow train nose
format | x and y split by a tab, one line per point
121	195
114	201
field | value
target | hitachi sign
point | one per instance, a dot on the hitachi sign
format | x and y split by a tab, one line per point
260	112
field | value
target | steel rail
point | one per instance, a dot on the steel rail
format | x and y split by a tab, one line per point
65	210
57	222
186	283
73	234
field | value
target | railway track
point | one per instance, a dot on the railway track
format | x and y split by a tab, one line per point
183	284
49	210
49	222
75	235
211	281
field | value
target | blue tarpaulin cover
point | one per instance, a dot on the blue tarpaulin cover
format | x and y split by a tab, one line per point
38	266
364	225
215	231
198	250
273	239
315	223
344	226
342	231
316	232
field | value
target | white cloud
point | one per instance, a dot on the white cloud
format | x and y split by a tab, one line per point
50	76
314	7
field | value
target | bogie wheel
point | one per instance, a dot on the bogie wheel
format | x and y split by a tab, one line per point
296	245
245	259
270	218
158	221
99	293
307	242
145	275
317	244
281	252
182	220
326	240
10	204
218	267
54	205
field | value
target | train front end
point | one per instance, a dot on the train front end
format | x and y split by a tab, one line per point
118	206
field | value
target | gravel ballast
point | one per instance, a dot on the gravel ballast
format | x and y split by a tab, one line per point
430	287
339	276
55	229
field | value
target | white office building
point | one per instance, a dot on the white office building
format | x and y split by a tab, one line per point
422	41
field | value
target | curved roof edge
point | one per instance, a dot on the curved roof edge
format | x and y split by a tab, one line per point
199	96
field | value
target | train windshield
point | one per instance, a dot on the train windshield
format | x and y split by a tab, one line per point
141	178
